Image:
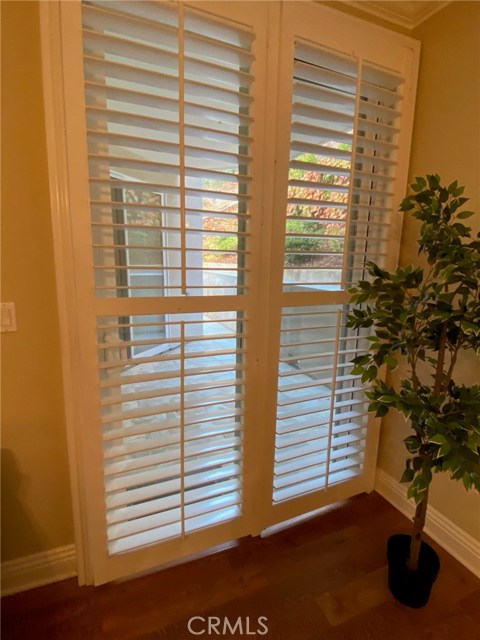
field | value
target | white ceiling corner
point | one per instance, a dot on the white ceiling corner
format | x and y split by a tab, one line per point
406	13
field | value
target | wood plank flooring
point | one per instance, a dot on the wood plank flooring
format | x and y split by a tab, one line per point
323	579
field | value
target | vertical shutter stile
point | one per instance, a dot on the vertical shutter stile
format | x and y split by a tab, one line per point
181	108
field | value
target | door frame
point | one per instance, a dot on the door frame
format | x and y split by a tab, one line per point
62	89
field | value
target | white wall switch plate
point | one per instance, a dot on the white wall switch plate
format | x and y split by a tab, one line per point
9	318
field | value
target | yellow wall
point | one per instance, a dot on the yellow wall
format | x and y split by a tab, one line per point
36	505
446	141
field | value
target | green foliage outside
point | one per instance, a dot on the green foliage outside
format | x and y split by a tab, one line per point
296	245
426	317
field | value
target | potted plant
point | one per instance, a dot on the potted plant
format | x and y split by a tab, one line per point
421	318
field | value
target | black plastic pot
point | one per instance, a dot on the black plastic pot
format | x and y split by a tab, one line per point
411	588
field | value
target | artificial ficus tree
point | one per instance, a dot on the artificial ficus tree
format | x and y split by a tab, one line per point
425	317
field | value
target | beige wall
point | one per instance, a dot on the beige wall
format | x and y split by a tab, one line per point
36	505
446	141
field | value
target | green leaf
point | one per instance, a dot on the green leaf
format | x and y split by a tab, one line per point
391	363
406	205
408	475
382	410
465	214
412	443
420	180
467	481
412	492
444	447
453	186
469	326
443	195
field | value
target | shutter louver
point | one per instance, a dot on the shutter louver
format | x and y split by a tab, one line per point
321	407
168	117
172	423
342	146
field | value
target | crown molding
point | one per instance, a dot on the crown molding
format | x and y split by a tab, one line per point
405	13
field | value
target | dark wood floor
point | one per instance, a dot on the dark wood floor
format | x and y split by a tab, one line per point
324	579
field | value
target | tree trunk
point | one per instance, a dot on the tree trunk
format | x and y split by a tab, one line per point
418	524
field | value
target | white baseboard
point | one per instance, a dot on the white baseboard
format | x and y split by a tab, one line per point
38	569
461	545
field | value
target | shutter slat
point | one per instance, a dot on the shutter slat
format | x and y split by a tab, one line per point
231	77
321	115
169	471
156	13
323	95
166	391
168	408
319	395
321	168
135	51
98	18
164	440
172	453
153	488
314	423
157	377
159	167
154	427
198	44
133	511
322	133
146	523
96	68
321	76
169	148
97	95
289	449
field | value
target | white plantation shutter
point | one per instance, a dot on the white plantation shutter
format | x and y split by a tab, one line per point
342	163
222	172
168	100
344	122
170	114
321	407
172	427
